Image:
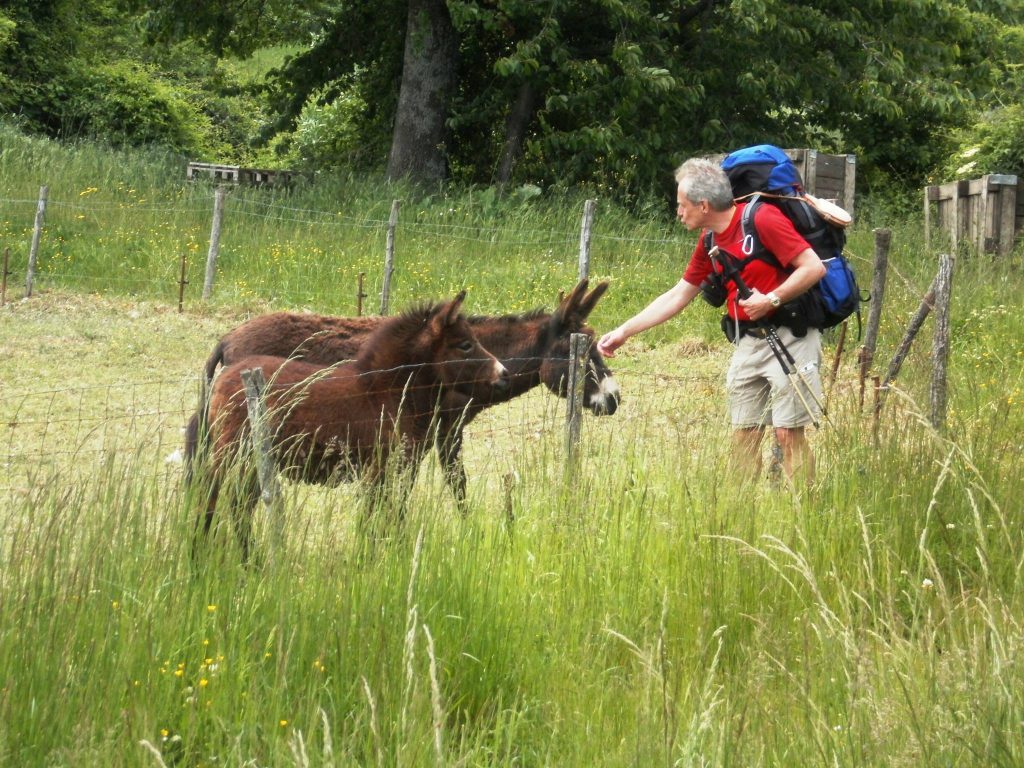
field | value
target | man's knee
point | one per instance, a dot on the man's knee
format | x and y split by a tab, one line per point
789	437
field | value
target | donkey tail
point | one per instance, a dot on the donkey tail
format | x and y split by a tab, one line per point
197	433
198	426
194	434
216	358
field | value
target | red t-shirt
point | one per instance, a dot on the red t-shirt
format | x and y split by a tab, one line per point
777	235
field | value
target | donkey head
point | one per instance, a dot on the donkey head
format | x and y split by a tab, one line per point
601	391
460	362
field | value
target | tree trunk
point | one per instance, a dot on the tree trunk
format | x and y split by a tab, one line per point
515	132
428	79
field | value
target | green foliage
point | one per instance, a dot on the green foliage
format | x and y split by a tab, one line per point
126	104
237	27
252	70
357	37
79	70
994	141
7	26
625	90
327	133
608	94
995	144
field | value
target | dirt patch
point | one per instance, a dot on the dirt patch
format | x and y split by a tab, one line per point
695	348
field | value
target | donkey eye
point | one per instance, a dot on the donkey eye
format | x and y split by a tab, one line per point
466	346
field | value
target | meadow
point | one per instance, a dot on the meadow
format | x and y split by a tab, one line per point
640	608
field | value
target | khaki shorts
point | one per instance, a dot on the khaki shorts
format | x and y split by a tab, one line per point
760	392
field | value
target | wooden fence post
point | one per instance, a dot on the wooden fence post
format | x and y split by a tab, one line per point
263	450
927	303
37	232
883	239
836	361
3	285
850	184
182	282
211	256
579	348
954	218
389	258
940	346
585	226
928	216
360	294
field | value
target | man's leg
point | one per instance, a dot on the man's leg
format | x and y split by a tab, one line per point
746	453
797	457
793	406
749	395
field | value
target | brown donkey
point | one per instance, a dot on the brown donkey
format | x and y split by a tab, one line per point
330	423
533	347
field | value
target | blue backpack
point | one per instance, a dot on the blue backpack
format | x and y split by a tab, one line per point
765	174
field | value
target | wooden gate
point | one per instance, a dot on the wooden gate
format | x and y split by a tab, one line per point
986	213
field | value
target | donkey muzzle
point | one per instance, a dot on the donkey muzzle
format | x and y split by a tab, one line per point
503	380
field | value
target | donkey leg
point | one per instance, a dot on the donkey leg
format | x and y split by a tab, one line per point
204	520
242	510
405	479
374	495
449	452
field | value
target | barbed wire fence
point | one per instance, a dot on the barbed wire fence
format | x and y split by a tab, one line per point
55	412
50	218
73	429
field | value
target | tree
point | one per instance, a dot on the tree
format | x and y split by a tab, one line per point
615	92
428	77
993	141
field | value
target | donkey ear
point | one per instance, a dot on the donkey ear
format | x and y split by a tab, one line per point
449	313
570	304
591	299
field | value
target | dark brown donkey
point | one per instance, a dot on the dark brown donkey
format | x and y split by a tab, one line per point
330	423
534	347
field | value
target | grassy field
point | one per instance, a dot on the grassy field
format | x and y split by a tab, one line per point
644	610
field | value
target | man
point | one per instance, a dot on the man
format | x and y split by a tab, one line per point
759	391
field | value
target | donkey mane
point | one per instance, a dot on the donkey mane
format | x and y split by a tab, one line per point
404	326
539	313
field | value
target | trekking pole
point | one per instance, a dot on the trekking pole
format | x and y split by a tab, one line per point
782	354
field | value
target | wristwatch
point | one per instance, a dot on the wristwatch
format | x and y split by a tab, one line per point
774	300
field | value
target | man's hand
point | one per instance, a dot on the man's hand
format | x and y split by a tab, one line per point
610	342
756	305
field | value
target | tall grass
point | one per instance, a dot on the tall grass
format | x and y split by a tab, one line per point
646	608
121	224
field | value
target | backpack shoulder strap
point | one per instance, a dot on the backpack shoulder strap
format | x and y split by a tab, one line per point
753	248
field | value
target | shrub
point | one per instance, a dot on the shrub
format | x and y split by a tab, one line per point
125	104
327	134
993	145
